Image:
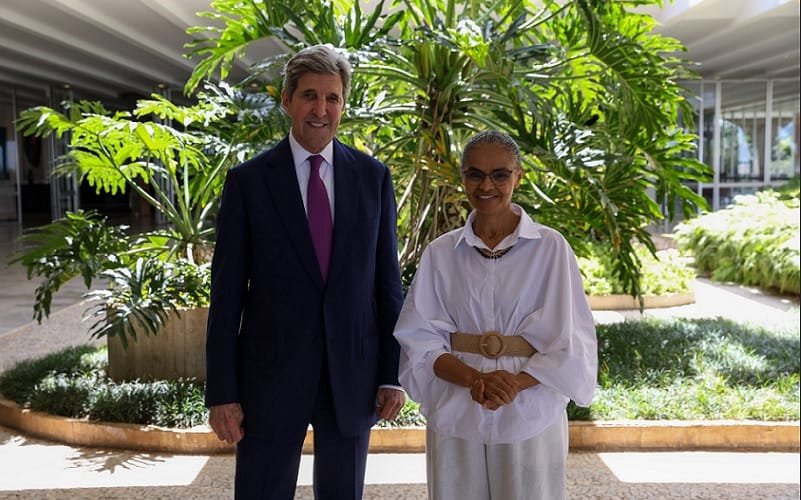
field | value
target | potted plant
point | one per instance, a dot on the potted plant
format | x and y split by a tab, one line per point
174	158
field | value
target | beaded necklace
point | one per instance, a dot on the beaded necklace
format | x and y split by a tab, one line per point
493	254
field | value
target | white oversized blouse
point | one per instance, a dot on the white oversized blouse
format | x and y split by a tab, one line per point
535	291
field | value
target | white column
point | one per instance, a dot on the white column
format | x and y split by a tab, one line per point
701	141
768	132
716	148
18	143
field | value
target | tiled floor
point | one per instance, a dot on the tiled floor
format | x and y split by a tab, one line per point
31	468
34	469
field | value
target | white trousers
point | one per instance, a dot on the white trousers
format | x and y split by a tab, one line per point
530	470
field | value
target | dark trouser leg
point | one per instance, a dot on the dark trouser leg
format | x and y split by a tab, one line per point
339	461
266	469
339	465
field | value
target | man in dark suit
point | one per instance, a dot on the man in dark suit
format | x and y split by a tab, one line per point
301	316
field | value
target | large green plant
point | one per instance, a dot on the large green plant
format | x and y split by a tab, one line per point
754	241
585	87
175	158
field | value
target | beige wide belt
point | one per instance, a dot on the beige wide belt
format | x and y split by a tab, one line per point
491	344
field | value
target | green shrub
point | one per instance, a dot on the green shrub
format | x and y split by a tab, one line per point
63	394
755	241
176	403
649	369
409	416
695	369
131	402
74	383
183	404
19	383
666	273
790	190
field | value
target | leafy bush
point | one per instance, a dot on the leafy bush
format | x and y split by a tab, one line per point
141	298
167	403
695	369
649	369
17	384
666	273
73	383
790	190
179	171
63	394
409	416
755	241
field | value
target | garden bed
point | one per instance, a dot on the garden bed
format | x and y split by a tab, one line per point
675	374
628	435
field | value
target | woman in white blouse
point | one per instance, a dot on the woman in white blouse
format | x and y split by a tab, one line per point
496	338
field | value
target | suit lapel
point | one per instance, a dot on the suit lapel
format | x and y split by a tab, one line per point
347	199
282	183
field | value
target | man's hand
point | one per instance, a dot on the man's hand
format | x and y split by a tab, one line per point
389	402
226	421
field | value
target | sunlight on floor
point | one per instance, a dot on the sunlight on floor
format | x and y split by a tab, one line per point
703	467
27	465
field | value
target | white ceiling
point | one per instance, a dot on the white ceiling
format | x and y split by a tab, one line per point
127	48
736	39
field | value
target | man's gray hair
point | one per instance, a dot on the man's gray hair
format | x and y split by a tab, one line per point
320	59
494	137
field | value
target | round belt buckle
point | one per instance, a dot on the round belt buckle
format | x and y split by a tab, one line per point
492	345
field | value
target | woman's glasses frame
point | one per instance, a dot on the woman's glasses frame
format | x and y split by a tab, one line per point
499	176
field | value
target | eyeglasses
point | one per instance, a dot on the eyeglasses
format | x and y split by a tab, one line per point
498	176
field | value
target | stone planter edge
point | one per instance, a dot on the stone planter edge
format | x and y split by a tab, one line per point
624	302
624	435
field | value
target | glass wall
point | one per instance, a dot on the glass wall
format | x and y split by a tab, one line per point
748	134
785	131
742	126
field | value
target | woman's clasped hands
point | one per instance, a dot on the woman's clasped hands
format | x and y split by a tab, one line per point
495	389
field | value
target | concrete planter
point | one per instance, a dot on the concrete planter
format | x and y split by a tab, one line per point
178	351
673	435
624	302
110	435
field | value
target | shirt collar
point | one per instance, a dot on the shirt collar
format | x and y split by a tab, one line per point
299	153
526	229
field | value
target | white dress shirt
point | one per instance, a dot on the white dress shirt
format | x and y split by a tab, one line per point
535	291
302	168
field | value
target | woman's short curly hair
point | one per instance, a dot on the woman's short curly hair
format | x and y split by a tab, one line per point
494	137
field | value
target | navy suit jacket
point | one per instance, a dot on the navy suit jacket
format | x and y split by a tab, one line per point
271	315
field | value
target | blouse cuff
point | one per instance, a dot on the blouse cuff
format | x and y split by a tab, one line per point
431	358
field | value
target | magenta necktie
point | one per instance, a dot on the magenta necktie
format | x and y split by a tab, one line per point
319	211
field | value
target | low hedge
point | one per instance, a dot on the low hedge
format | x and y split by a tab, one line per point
74	383
664	274
650	369
755	241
